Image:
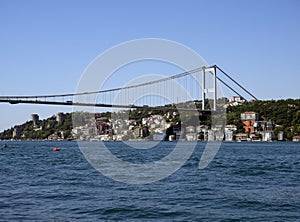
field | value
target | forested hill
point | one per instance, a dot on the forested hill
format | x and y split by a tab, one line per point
43	130
285	114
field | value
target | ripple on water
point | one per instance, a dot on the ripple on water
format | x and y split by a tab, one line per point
245	182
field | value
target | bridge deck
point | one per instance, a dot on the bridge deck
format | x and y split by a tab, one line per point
71	103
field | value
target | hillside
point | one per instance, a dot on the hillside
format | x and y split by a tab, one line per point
43	130
285	114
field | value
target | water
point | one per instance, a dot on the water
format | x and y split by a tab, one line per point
245	182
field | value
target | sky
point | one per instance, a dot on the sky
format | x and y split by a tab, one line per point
45	46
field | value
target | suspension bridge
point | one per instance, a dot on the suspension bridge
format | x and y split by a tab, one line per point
177	89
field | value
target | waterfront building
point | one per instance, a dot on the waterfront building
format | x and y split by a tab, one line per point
248	119
228	135
296	138
191	136
53	136
241	137
263	125
219	135
280	136
211	135
268	135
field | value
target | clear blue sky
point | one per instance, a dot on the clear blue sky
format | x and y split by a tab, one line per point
46	45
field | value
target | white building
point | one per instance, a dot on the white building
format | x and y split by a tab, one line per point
191	136
210	135
229	135
268	135
280	136
230	127
190	129
236	100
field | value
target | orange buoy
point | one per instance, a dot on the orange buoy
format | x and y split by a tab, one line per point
56	149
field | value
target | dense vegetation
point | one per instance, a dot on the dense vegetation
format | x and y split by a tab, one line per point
43	130
285	114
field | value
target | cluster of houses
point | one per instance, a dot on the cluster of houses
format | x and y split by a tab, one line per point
154	127
158	127
256	130
162	127
104	129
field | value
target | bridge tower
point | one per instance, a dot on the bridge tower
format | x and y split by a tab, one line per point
212	70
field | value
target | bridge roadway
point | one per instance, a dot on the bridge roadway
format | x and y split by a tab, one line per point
71	103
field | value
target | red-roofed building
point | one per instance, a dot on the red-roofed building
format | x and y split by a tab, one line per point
296	139
249	119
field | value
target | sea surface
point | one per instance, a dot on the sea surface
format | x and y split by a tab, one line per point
245	182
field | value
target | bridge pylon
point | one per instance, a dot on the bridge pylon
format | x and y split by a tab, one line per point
209	89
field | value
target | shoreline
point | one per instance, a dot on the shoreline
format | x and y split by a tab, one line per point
142	141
